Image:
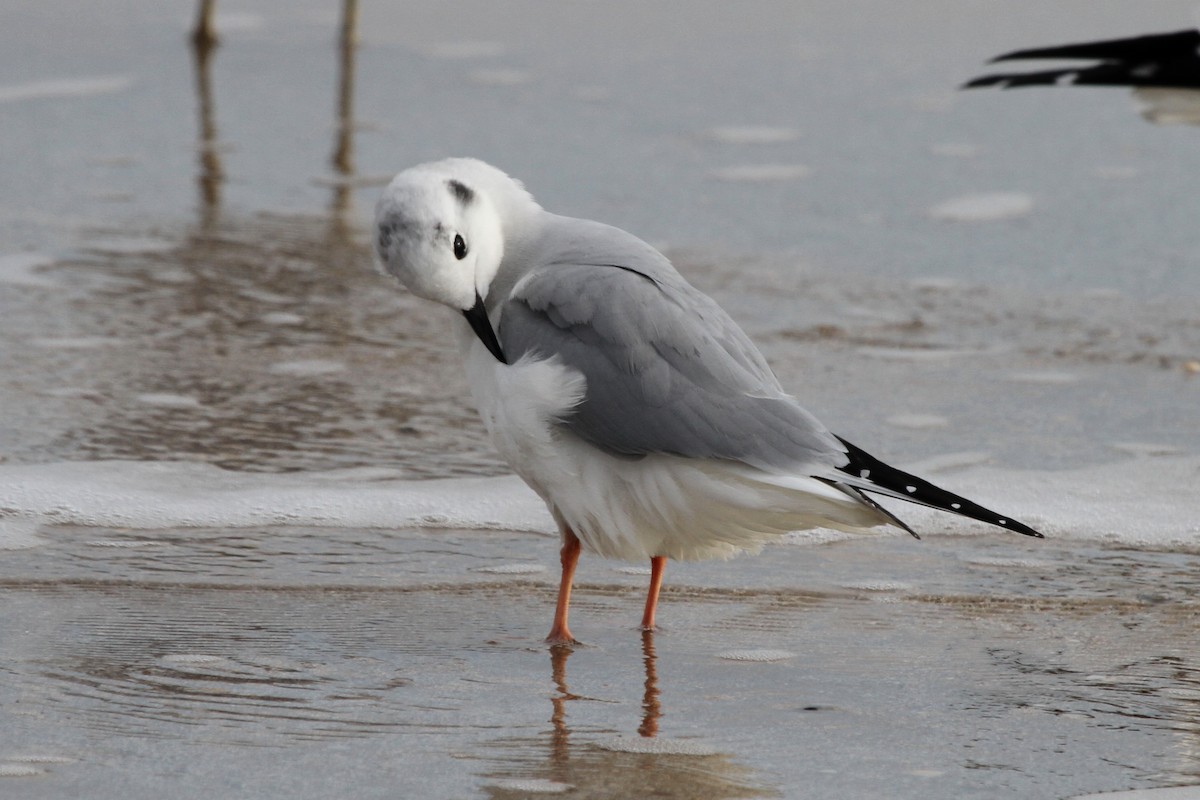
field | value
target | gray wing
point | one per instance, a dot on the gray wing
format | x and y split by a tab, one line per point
667	370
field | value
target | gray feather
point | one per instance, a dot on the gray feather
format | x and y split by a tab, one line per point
667	370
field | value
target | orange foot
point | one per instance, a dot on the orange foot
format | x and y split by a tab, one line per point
561	637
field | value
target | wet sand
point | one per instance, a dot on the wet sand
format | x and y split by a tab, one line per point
409	663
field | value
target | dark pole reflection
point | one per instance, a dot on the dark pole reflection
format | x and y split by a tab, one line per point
204	34
343	150
212	175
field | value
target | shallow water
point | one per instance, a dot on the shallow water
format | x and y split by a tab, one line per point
255	543
407	662
270	346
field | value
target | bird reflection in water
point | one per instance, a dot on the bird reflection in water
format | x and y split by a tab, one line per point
560	734
620	767
651	707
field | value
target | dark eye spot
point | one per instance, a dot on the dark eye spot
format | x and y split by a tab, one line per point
460	247
462	192
384	240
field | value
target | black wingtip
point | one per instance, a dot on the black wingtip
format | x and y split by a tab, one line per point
886	479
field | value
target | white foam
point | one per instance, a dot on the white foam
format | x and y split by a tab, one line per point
74	342
878	586
984	207
20	771
1168	793
361	474
532	786
1148	502
23	269
1001	562
167	400
658	746
819	536
75	393
761	173
65	87
950	462
282	318
756	655
1138	501
918	421
264	297
753	134
18	532
192	659
1146	448
154	495
307	368
924	353
513	569
38	758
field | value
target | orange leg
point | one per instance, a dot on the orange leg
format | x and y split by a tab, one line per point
657	565
559	633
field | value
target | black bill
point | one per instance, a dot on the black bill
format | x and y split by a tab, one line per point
478	318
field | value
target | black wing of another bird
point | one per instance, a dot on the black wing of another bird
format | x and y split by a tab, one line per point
1157	59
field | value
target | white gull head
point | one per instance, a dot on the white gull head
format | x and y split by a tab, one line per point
441	228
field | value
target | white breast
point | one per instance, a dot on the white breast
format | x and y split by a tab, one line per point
520	404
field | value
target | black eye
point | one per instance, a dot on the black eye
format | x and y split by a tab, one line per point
460	247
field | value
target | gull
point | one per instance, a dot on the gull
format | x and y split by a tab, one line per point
628	400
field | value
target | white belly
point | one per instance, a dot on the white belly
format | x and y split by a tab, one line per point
682	508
